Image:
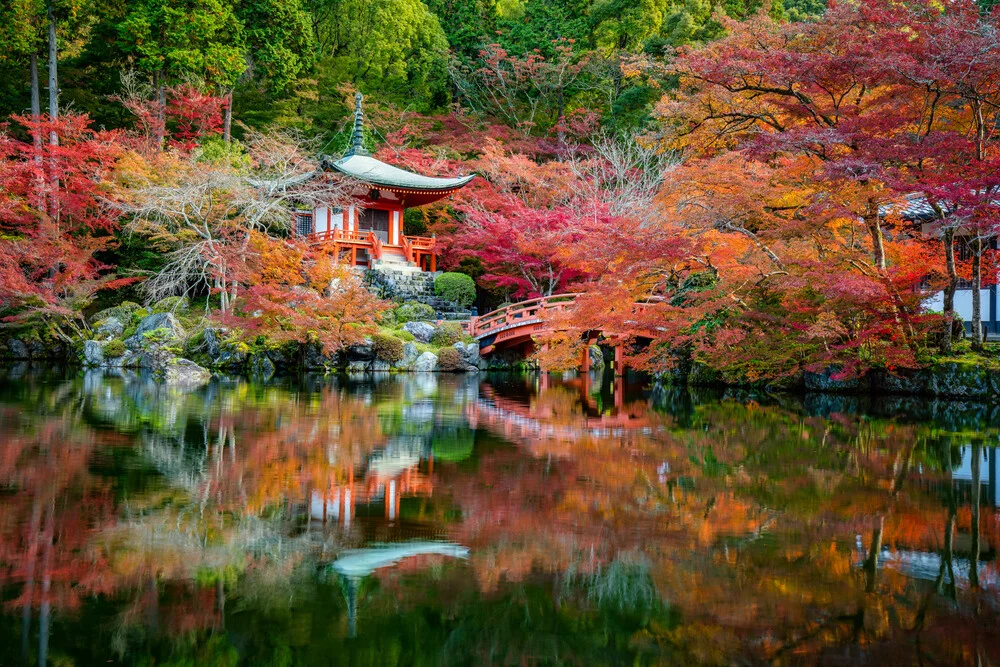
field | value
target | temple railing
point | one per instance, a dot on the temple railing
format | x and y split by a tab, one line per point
412	247
518	314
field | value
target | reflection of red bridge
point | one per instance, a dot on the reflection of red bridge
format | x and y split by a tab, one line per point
515	420
514	326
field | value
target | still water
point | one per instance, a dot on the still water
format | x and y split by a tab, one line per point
496	520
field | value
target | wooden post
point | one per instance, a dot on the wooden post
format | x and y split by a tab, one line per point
433	262
354	255
585	362
619	368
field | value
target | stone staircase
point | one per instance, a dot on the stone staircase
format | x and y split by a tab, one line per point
404	282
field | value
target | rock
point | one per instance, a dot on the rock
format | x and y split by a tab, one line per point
314	358
379	366
93	353
361	352
470	355
358	366
17	349
110	327
213	341
425	363
261	368
826	382
185	372
122	312
166	321
410	355
37	350
422	331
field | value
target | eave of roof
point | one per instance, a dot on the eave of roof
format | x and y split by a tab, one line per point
368	169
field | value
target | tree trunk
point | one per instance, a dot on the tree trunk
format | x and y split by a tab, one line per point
949	290
874	226
977	284
53	114
227	124
36	136
161	108
53	76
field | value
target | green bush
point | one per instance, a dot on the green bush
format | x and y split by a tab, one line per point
405	336
171	304
387	348
114	348
122	312
456	287
414	312
449	360
447	334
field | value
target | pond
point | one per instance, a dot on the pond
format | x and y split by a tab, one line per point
432	519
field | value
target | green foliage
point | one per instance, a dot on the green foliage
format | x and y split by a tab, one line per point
448	333
456	287
123	312
114	348
449	360
171	304
414	312
387	348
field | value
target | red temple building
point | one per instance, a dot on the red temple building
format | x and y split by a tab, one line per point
371	228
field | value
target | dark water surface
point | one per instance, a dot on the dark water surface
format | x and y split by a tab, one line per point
497	520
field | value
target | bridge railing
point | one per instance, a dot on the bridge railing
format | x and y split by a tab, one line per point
519	313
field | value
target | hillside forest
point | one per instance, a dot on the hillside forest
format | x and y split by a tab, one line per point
731	180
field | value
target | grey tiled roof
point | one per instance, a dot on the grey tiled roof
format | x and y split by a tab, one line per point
376	172
914	207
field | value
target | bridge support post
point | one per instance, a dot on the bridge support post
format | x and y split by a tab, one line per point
585	360
619	359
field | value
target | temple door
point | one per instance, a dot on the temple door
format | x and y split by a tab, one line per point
371	219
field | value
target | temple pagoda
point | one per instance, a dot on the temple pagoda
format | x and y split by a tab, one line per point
371	227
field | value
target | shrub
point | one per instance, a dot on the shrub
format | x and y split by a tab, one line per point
449	360
414	312
122	312
171	304
114	348
387	348
447	334
456	287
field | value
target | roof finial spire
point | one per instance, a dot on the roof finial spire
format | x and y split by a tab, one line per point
357	139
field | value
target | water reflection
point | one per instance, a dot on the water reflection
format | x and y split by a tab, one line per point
441	519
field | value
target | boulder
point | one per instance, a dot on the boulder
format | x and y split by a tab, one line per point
410	355
379	366
361	352
165	321
110	327
38	350
425	363
470	355
314	358
17	349
596	357
422	331
825	381
213	341
93	353
261	368
185	373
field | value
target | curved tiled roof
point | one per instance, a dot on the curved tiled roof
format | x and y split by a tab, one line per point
368	169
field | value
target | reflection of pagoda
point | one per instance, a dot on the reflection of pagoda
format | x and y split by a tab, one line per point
392	473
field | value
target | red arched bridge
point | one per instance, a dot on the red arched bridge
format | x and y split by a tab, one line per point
514	326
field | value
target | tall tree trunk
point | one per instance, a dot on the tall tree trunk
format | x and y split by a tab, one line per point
53	75
949	290
36	137
53	113
161	108
977	285
227	124
874	226
977	456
